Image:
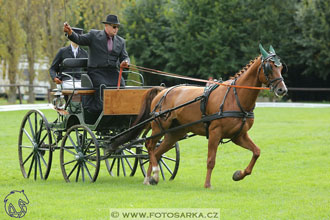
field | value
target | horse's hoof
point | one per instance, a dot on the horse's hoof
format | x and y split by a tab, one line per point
146	181
237	176
152	181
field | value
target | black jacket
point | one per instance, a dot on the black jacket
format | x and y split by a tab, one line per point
99	57
63	53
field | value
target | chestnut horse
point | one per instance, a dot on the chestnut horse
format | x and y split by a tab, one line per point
265	69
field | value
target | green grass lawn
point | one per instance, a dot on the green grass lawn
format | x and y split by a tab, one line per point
291	179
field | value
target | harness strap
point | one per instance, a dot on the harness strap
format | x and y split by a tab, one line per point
206	94
162	99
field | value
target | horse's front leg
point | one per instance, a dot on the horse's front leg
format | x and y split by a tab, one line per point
213	143
246	142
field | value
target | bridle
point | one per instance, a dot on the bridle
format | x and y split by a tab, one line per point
267	69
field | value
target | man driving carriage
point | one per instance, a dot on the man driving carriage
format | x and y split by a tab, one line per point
71	51
106	51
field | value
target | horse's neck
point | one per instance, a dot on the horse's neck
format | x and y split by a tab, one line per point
248	97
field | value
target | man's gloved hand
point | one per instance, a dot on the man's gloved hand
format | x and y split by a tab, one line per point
67	28
124	64
57	80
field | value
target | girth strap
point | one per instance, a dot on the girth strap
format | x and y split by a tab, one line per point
206	94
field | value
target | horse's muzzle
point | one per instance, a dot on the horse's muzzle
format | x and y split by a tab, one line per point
281	91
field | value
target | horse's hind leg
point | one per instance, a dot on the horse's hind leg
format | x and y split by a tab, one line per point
246	142
153	164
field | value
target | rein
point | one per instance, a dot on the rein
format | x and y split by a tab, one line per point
162	73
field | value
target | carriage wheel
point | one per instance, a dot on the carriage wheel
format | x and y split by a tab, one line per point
34	146
123	163
80	155
168	163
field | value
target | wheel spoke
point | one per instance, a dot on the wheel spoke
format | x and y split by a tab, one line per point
122	164
129	164
43	160
112	164
67	150
169	169
64	164
146	161
84	140
118	167
77	176
42	140
88	155
74	144
38	132
87	170
82	173
43	149
40	169
31	165
35	125
161	170
88	146
28	135
94	165
27	158
22	146
35	167
75	166
31	127
168	158
77	136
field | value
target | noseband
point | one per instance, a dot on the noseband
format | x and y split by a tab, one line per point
267	68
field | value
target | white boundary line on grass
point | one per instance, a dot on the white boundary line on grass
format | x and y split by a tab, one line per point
18	107
4	108
291	105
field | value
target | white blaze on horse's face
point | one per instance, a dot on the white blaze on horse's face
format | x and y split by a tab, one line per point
276	81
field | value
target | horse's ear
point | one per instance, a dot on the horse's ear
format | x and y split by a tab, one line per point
264	53
271	49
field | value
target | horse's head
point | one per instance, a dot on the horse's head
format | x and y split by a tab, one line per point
271	71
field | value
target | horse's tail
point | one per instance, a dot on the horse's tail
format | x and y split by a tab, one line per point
143	115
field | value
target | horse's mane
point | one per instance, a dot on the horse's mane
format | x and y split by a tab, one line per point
244	69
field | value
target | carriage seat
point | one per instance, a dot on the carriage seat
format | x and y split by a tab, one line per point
77	68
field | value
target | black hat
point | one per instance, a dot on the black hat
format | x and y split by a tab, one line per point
77	30
111	19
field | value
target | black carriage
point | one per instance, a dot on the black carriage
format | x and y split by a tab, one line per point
83	139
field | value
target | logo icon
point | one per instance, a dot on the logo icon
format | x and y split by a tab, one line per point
15	204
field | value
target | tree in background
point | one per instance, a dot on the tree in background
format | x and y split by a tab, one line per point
12	40
89	14
313	18
207	37
147	34
30	23
53	16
